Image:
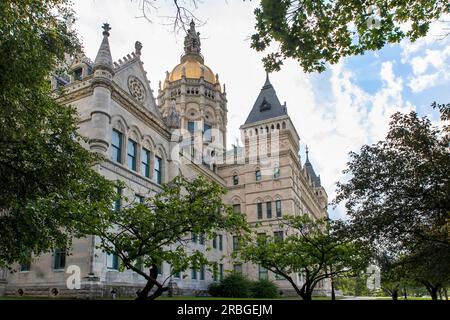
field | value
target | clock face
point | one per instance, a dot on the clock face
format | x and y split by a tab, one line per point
136	88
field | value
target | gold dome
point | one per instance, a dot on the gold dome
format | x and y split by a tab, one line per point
193	69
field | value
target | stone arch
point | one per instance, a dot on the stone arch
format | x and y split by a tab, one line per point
148	143
119	123
283	125
236	200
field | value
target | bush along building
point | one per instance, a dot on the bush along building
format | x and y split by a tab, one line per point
148	140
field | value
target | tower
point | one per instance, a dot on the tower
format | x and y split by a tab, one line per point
103	73
199	100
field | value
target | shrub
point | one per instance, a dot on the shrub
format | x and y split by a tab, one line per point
236	285
215	289
264	289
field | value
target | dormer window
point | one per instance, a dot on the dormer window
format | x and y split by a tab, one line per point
77	74
264	105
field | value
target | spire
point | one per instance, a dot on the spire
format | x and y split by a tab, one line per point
307	153
192	44
104	59
310	170
267	83
267	105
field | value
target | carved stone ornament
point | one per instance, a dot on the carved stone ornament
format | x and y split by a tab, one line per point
136	88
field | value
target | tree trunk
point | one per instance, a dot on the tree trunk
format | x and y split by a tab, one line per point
434	292
394	294
333	295
445	293
306	296
142	296
153	273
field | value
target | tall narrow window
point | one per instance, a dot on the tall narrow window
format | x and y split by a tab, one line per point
112	261
278	208
118	201
201	239
220	242
276	172
131	155
59	259
158	170
236	208
191	127
202	272
207	133
263	274
116	145
269	210
258	175
214	242
194	237
235	180
220	271
193	274
215	273
236	243
259	210
26	265
145	163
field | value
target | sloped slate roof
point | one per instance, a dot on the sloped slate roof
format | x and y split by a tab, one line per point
267	105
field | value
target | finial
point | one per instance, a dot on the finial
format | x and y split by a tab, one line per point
192	40
267	83
106	29
307	153
138	48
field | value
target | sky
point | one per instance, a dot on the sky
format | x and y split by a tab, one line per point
335	112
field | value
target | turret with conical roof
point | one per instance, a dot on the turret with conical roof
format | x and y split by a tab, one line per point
103	60
101	98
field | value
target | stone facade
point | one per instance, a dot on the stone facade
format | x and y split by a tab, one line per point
182	131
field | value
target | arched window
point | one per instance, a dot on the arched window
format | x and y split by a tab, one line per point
258	175
276	171
283	126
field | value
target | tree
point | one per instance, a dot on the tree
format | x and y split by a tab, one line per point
46	176
398	196
313	248
314	32
145	235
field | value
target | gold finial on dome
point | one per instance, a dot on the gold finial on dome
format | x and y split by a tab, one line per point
192	40
192	63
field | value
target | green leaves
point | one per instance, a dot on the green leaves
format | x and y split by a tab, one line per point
398	197
160	229
318	249
317	32
48	184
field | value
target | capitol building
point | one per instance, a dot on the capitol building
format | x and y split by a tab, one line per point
148	138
